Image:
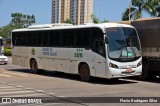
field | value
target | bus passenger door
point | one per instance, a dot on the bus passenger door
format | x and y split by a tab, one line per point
100	58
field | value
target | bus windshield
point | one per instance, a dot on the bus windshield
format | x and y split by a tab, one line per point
123	44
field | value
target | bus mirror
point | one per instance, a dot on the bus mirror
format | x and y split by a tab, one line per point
106	40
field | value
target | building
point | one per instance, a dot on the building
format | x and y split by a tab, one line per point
79	11
60	10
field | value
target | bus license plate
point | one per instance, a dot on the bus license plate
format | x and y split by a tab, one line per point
129	70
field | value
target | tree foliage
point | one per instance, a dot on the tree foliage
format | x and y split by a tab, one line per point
95	19
18	20
69	21
138	6
5	31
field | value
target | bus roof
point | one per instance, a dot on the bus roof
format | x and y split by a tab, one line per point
40	27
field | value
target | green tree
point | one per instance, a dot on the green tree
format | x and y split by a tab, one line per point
95	19
138	6
20	20
69	21
5	31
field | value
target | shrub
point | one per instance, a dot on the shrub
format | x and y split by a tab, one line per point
7	52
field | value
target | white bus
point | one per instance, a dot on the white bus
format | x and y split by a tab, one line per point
106	50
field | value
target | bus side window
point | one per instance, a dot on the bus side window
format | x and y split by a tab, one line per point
67	38
42	38
99	47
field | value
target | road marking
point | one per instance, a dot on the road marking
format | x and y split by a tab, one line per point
29	88
10	89
28	95
51	93
39	90
4	75
2	82
4	87
19	86
14	92
11	84
15	73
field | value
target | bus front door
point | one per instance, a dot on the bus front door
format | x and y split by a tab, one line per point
100	60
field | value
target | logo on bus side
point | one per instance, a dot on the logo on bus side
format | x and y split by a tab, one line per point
79	53
48	52
33	51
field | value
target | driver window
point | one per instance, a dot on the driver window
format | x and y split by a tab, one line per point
99	47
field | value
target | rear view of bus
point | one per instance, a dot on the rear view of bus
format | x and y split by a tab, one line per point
124	51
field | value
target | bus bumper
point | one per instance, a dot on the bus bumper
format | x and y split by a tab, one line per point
118	73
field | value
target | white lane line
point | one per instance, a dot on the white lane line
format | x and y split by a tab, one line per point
10	89
14	92
11	84
2	83
4	87
4	75
15	73
27	95
29	88
19	86
51	93
39	90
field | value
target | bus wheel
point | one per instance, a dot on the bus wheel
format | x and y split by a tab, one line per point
84	72
34	67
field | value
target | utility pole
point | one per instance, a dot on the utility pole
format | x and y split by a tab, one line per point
129	10
97	8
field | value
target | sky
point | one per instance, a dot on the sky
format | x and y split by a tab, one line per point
110	10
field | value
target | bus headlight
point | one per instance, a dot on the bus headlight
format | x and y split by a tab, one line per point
113	65
140	63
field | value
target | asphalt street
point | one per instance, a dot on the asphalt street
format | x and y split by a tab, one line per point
16	81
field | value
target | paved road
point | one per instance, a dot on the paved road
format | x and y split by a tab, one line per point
17	81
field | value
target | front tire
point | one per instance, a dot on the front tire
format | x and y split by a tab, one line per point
84	72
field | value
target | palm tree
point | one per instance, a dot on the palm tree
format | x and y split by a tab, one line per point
69	21
138	6
95	19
